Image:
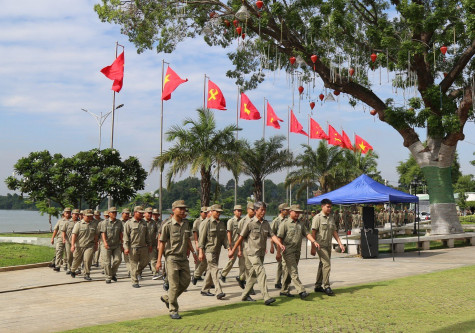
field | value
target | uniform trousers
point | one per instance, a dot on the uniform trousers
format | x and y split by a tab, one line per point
323	274
280	273
69	255
178	272
257	273
111	259
139	259
229	265
290	261
212	273
59	252
97	254
127	262
200	267
153	258
83	254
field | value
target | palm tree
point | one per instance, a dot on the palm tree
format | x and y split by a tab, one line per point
263	159
317	168
200	147
356	164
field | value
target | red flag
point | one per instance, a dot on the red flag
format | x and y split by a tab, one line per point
215	97
272	119
346	141
248	110
362	145
334	137
316	132
171	82
115	72
295	126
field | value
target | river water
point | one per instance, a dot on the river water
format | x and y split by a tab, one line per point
24	220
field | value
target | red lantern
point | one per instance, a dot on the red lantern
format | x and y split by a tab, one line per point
351	71
336	93
373	112
445	74
312	105
373	57
314	58
443	49
259	4
212	14
239	30
243	36
321	96
300	90
227	23
235	22
292	60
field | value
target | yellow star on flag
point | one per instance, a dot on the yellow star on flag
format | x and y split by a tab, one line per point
362	146
166	79
246	109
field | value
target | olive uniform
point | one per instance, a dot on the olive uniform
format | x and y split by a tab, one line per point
153	233
137	241
324	226
68	230
58	261
275	227
86	239
200	266
232	227
112	257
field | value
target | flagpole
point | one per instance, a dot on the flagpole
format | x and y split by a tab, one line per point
264	138
161	142
288	150
237	137
204	93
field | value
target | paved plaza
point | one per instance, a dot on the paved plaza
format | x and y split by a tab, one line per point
40	300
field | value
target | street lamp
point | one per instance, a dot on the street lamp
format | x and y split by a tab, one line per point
100	119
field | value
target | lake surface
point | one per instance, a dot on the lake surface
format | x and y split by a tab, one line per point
24	220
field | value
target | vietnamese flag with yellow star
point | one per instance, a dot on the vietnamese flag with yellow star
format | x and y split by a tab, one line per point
295	126
272	119
115	72
346	141
171	82
215	97
334	138
316	131
248	110
362	145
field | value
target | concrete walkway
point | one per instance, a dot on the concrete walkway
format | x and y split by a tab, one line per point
41	300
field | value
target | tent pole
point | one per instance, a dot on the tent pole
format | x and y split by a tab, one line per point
391	225
346	231
418	229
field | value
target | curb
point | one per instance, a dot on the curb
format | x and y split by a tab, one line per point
19	267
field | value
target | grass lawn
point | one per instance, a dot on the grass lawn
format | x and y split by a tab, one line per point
435	302
39	235
12	254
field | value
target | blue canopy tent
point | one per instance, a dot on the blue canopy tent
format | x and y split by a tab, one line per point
365	190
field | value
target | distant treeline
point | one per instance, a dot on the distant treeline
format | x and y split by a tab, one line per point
15	201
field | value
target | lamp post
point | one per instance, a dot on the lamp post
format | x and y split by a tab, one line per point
100	119
414	184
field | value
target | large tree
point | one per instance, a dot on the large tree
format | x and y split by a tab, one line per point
406	37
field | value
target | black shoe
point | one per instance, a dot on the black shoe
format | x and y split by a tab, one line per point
278	286
223	278
136	285
220	295
248	299
87	277
51	265
194	280
252	292
166	286
206	293
240	282
166	303
286	294
269	301
329	291
108	281
114	278
56	269
103	272
78	272
175	316
303	294
319	289
96	264
73	275
68	272
212	286
199	278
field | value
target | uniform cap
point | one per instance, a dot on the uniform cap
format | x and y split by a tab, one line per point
148	210
125	211
88	212
112	209
283	206
216	208
106	213
250	205
75	211
179	204
204	209
296	208
138	209
155	211
81	212
237	207
67	209
96	212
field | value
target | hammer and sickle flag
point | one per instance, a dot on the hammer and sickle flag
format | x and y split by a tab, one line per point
171	82
248	110
295	126
316	131
346	141
215	97
272	119
334	138
362	145
115	72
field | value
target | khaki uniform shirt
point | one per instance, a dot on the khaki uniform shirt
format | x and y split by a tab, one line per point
68	229
276	223
213	236
96	223
59	227
232	227
256	232
152	231
86	232
112	230
324	225
196	225
292	232
136	234
176	237
159	226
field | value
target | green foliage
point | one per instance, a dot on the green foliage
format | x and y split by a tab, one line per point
12	254
14	201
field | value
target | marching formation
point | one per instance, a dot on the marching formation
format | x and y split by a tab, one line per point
143	239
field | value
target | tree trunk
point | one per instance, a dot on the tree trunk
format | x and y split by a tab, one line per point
205	186
436	164
258	190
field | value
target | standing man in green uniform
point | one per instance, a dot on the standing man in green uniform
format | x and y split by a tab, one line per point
137	245
284	212
83	243
58	237
323	229
212	237
291	232
124	219
241	248
153	258
256	232
175	243
112	233
97	221
166	286
67	232
233	235
201	266
153	234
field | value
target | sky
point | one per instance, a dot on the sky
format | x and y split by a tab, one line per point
52	52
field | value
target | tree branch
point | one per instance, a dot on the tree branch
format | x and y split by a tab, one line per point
462	113
458	67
